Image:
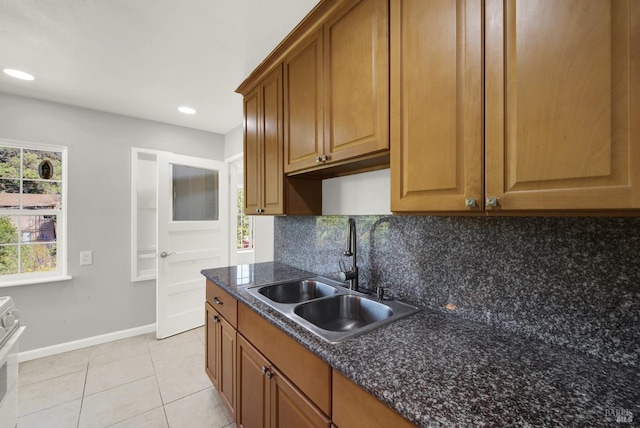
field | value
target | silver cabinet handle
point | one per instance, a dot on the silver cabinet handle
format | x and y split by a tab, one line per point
492	201
217	301
324	158
470	202
164	254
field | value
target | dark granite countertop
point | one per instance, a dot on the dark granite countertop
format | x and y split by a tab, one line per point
437	369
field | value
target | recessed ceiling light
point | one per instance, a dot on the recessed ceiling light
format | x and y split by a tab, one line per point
186	110
18	74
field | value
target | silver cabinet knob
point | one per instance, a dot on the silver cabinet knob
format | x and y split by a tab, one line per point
470	202
492	201
318	159
324	158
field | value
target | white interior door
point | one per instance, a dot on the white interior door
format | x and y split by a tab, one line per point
193	234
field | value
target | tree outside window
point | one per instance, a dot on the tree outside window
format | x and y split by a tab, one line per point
244	239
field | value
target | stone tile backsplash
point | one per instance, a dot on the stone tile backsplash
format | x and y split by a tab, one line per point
565	280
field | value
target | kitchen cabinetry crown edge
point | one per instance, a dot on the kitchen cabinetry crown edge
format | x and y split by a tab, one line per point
314	20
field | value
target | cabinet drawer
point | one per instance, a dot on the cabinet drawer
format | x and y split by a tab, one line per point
309	373
223	302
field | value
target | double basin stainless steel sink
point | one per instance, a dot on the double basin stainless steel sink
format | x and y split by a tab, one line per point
329	309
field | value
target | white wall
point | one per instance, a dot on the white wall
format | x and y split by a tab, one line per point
100	298
233	142
359	194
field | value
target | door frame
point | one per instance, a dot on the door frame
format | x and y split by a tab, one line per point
137	248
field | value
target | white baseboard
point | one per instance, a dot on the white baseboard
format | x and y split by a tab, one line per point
84	343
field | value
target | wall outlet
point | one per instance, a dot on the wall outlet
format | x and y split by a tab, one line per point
86	258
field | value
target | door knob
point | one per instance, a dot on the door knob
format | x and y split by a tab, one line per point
164	254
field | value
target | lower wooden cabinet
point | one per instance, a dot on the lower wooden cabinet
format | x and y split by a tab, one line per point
253	387
307	371
267	380
212	353
221	357
291	408
266	398
354	407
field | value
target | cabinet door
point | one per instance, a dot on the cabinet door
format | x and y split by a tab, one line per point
227	374
563	101
356	56
253	387
212	352
272	122
252	152
290	408
303	133
436	98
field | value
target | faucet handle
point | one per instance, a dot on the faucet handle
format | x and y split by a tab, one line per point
343	267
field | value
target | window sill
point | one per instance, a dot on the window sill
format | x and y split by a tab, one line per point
34	281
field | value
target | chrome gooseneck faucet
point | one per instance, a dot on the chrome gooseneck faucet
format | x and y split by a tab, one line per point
351	250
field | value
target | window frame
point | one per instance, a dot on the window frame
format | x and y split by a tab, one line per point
61	272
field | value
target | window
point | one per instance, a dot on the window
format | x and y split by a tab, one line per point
244	233
32	213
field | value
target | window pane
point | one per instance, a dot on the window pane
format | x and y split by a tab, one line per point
9	162
8	259
195	194
38	258
245	225
37	228
9	194
8	230
41	195
32	159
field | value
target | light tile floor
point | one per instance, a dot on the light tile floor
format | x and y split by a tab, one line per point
138	382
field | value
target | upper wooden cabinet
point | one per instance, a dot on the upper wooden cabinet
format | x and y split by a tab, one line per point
267	190
336	89
436	104
303	104
561	102
263	171
356	87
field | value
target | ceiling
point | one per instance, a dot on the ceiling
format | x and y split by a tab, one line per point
143	58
